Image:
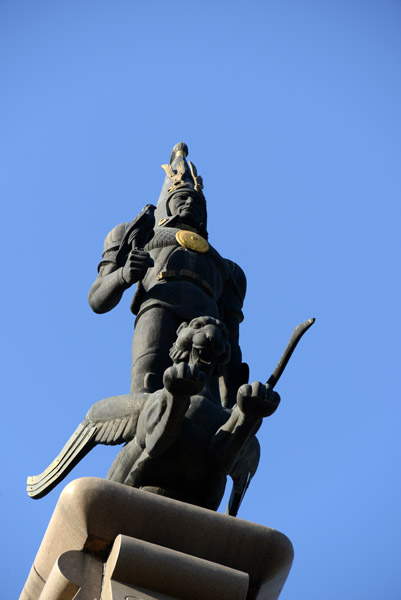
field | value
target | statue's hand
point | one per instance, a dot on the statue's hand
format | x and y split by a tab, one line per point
137	264
257	399
183	379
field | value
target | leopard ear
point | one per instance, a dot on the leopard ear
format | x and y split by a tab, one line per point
181	327
185	333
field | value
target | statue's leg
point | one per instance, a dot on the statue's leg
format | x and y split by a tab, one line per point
155	332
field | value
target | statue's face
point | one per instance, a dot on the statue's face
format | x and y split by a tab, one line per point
190	208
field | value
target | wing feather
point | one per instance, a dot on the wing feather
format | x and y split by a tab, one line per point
110	421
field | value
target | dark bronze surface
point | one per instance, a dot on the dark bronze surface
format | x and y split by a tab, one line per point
191	417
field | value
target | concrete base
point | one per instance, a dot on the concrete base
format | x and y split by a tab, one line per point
111	542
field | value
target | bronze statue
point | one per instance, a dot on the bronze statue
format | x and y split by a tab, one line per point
190	418
179	277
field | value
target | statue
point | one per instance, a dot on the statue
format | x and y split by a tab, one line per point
179	276
191	416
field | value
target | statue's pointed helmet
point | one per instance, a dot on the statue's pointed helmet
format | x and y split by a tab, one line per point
181	175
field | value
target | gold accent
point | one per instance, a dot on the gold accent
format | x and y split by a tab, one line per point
186	274
168	171
180	153
192	241
198	181
162	221
176	177
166	274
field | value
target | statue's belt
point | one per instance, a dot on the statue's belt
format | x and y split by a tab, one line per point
188	275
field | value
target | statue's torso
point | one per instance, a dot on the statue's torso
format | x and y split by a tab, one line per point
186	281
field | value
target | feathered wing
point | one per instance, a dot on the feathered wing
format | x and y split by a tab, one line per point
110	421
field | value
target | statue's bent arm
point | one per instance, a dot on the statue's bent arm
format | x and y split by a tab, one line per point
160	433
161	419
117	273
107	290
231	438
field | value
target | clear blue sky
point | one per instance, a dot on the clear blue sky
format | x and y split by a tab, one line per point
291	111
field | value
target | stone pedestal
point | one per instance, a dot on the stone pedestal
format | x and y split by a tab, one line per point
107	541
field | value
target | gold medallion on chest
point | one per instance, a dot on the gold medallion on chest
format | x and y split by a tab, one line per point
192	241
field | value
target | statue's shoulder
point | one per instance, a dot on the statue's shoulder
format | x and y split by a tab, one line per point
115	237
112	245
237	277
